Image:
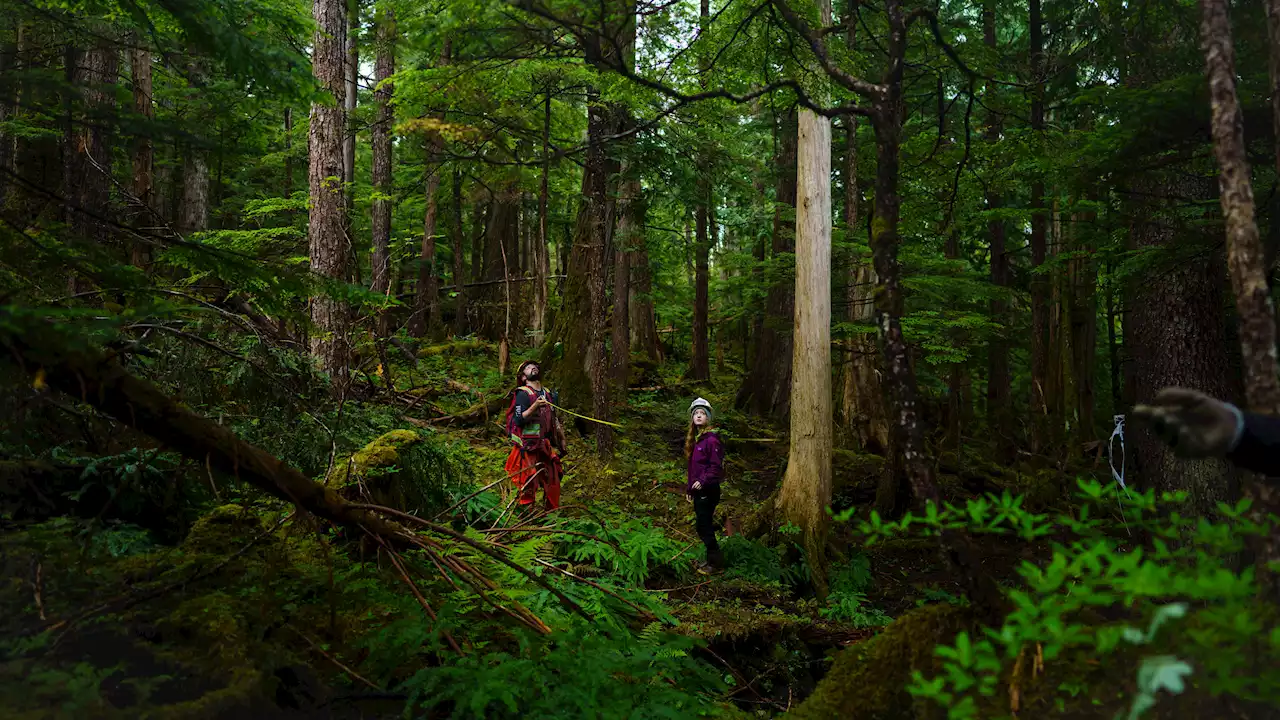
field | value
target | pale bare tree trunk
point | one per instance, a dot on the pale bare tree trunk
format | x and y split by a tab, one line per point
380	222
327	222
143	186
1245	260
806	487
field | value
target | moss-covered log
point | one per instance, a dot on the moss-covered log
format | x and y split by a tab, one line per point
101	381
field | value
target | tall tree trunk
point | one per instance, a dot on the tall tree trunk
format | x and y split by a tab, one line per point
1245	260
1177	304
1273	67
700	361
644	323
501	230
956	547
288	152
143	186
350	75
862	405
87	164
630	234
9	57
580	324
459	273
383	187
767	388
327	225
542	248
1083	313
806	487
1042	434
193	213
999	394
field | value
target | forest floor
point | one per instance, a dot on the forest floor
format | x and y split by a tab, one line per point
92	605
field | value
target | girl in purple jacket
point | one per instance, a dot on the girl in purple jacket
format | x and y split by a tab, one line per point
705	455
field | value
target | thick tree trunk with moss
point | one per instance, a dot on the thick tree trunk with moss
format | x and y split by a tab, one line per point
326	229
579	328
1245	259
383	187
767	388
806	487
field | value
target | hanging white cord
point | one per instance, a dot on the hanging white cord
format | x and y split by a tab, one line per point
1118	432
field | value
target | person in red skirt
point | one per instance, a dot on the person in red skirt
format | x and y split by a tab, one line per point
537	438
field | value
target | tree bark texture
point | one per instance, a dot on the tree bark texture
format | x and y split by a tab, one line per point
1178	303
579	325
193	213
1245	260
350	75
1273	67
1042	424
143	185
644	322
459	272
630	235
326	230
767	387
380	140
700	361
806	487
87	164
501	232
542	248
956	547
863	404
999	393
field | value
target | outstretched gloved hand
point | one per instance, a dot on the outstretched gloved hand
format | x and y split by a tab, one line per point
1192	423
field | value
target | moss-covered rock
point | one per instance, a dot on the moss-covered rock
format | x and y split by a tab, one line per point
869	680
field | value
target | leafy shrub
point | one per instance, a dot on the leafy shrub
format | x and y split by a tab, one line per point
1174	601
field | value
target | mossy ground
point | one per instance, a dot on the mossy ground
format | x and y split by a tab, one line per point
273	627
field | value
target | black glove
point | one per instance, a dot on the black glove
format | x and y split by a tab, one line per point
1193	424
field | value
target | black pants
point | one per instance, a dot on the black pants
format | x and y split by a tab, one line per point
704	512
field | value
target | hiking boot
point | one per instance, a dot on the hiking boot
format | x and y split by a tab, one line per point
706	568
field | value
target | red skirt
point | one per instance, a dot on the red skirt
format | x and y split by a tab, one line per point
531	469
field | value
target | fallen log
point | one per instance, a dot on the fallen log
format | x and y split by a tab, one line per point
477	414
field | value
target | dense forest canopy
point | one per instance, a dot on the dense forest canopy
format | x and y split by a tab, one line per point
358	357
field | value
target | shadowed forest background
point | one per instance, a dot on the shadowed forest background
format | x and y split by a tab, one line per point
268	267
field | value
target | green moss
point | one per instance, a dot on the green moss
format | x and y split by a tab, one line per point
455	347
869	680
224	529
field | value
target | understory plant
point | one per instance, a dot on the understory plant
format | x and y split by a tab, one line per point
1158	598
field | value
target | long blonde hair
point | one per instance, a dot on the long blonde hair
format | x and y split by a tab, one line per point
691	437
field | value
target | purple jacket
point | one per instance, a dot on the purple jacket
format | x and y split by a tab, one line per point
706	462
